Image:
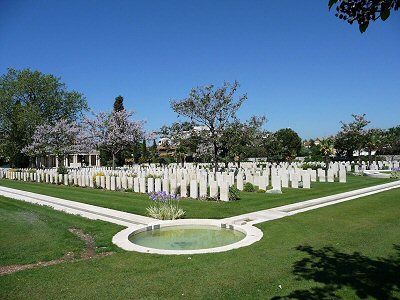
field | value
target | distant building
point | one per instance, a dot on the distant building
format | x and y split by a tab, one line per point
165	148
90	159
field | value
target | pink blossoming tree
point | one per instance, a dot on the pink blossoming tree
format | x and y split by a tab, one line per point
61	138
115	131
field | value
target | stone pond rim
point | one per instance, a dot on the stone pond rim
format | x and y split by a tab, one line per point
251	235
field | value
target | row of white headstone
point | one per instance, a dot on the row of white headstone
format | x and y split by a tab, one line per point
191	185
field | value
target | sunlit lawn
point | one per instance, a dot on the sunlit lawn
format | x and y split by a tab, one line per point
249	202
348	250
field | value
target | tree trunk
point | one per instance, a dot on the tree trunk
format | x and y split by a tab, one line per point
182	161
113	161
60	161
370	156
326	162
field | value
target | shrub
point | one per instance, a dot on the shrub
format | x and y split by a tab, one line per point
249	187
165	206
62	170
97	174
312	165
233	193
261	191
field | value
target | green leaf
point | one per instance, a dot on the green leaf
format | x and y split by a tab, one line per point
331	3
385	14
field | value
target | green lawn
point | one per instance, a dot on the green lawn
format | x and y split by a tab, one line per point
249	202
349	250
32	233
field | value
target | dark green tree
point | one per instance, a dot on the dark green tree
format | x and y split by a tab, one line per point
119	103
273	148
363	11
242	140
352	136
391	141
373	141
144	152
136	152
28	99
290	143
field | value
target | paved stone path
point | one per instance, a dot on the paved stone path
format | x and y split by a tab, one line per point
129	219
295	208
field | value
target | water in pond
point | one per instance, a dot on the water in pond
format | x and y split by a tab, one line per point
187	237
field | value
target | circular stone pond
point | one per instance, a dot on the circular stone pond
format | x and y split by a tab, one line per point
191	236
187	237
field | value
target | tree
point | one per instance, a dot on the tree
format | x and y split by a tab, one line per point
240	140
363	11
290	143
273	147
153	151
60	139
144	151
115	131
373	140
214	108
29	99
183	137
119	103
327	149
136	152
352	135
391	141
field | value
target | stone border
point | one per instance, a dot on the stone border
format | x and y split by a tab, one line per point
121	239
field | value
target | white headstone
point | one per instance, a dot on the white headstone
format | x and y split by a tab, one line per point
130	182
157	185
239	181
183	188
213	189
295	181
165	185
112	178
224	192
150	184
108	182
285	180
142	185
330	176
193	189
306	180
342	176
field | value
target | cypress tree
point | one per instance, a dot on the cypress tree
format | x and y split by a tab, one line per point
119	103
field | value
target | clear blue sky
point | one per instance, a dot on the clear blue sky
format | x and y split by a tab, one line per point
299	65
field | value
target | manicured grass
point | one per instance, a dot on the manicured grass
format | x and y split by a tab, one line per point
349	250
249	202
31	233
